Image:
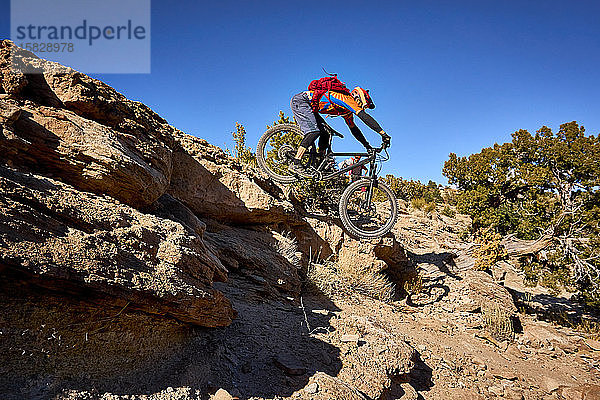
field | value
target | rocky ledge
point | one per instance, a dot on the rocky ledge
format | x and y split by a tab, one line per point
103	200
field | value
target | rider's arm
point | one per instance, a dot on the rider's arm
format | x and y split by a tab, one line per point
356	132
370	122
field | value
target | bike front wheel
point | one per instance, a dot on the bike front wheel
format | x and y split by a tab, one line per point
364	219
276	150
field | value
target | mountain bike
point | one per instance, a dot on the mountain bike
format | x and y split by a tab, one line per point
367	207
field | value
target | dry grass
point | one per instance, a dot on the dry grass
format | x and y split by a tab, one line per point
324	277
287	246
591	328
448	211
374	285
331	280
414	285
497	322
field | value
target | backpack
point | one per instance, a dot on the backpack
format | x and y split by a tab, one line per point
321	86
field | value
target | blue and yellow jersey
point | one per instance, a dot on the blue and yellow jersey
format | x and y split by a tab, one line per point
334	103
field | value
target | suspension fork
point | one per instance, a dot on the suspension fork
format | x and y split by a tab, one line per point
373	183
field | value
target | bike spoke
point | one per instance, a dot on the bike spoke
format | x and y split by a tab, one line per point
368	218
277	149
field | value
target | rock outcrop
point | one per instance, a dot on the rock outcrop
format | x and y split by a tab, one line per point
81	131
212	185
84	153
84	205
102	197
107	252
372	355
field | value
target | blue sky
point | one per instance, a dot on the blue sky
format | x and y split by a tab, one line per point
446	76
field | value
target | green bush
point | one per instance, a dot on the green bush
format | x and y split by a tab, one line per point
542	185
490	249
409	190
418	203
429	207
448	211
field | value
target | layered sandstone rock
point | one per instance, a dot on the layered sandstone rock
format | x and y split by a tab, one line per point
214	186
84	153
107	252
63	125
101	142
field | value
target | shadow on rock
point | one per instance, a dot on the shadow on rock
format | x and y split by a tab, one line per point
561	310
442	264
268	350
410	385
54	344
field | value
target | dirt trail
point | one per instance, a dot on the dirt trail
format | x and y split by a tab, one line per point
454	356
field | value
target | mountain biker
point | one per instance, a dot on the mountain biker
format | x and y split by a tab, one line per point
308	105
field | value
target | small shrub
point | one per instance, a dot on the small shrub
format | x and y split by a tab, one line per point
490	249
329	279
240	151
418	203
410	189
448	211
588	327
375	285
497	322
320	195
414	285
324	277
429	207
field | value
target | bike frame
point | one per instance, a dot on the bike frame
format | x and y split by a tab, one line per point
371	160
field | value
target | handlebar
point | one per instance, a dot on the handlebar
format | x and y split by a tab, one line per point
383	147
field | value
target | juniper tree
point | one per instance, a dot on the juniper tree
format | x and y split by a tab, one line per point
540	186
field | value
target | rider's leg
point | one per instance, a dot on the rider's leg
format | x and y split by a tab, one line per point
308	140
324	138
323	142
306	119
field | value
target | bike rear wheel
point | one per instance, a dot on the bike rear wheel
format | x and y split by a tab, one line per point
368	221
276	149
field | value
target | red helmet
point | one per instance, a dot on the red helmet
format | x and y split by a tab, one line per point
361	96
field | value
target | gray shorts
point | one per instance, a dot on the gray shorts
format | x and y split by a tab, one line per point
303	113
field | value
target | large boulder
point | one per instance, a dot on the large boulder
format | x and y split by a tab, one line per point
84	153
498	309
106	252
64	124
372	355
214	185
325	387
